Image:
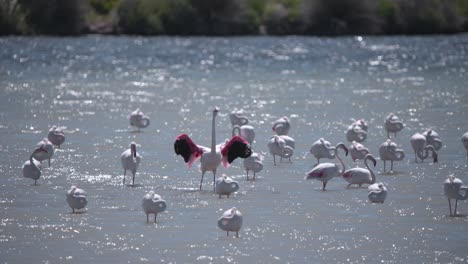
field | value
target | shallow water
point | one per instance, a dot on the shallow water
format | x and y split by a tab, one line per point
89	85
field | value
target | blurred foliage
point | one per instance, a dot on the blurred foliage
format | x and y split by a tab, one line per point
233	17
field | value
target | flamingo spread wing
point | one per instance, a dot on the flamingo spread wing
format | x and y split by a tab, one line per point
185	147
237	147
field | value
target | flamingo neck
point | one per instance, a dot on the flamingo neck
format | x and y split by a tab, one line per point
373	179
213	135
234	129
341	161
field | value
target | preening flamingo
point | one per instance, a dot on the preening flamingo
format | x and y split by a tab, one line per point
357	151
421	149
76	198
281	126
32	168
56	136
361	176
465	143
357	131
377	192
322	149
225	186
44	155
433	139
454	189
325	171
138	119
153	204
246	132
231	221
253	163
211	157
282	146
393	125
130	160
388	151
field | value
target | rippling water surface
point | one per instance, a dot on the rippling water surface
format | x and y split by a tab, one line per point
89	85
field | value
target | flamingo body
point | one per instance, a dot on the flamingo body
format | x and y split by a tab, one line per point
44	155
357	151
326	171
138	119
393	125
388	152
322	149
56	136
231	221
377	193
418	143
465	143
253	163
153	204
245	131
281	146
130	160
357	131
225	186
454	189
433	139
76	198
361	176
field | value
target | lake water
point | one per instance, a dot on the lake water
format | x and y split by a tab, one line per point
89	85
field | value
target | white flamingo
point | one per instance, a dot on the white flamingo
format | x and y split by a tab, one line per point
238	119
325	171
454	189
418	142
281	126
362	123
245	131
44	155
153	204
356	131
231	221
130	160
322	149
212	157
433	139
76	198
388	151
278	146
253	163
361	176
138	119
393	125
377	192
32	168
465	143
357	151
225	186
56	136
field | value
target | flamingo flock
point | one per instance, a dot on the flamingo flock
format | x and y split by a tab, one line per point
280	144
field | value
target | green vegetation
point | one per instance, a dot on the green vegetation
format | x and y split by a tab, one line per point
233	17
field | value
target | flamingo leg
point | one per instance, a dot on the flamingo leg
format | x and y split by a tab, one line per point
73	210
391	165
384	163
49	163
237	233
214	180
125	173
156	214
323	185
450	206
290	160
349	185
248	174
147	218
318	161
133	179
203	174
35	182
415	157
254	176
274	160
227	233
455	211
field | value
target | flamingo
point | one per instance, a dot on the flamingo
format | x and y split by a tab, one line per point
377	193
56	136
43	155
231	220
225	186
418	142
32	168
325	171
393	125
454	189
153	204
238	119
432	138
246	132
212	157
322	149
253	163
357	131
130	160
281	126
138	119
357	151
278	147
465	143
388	151
361	176
76	198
